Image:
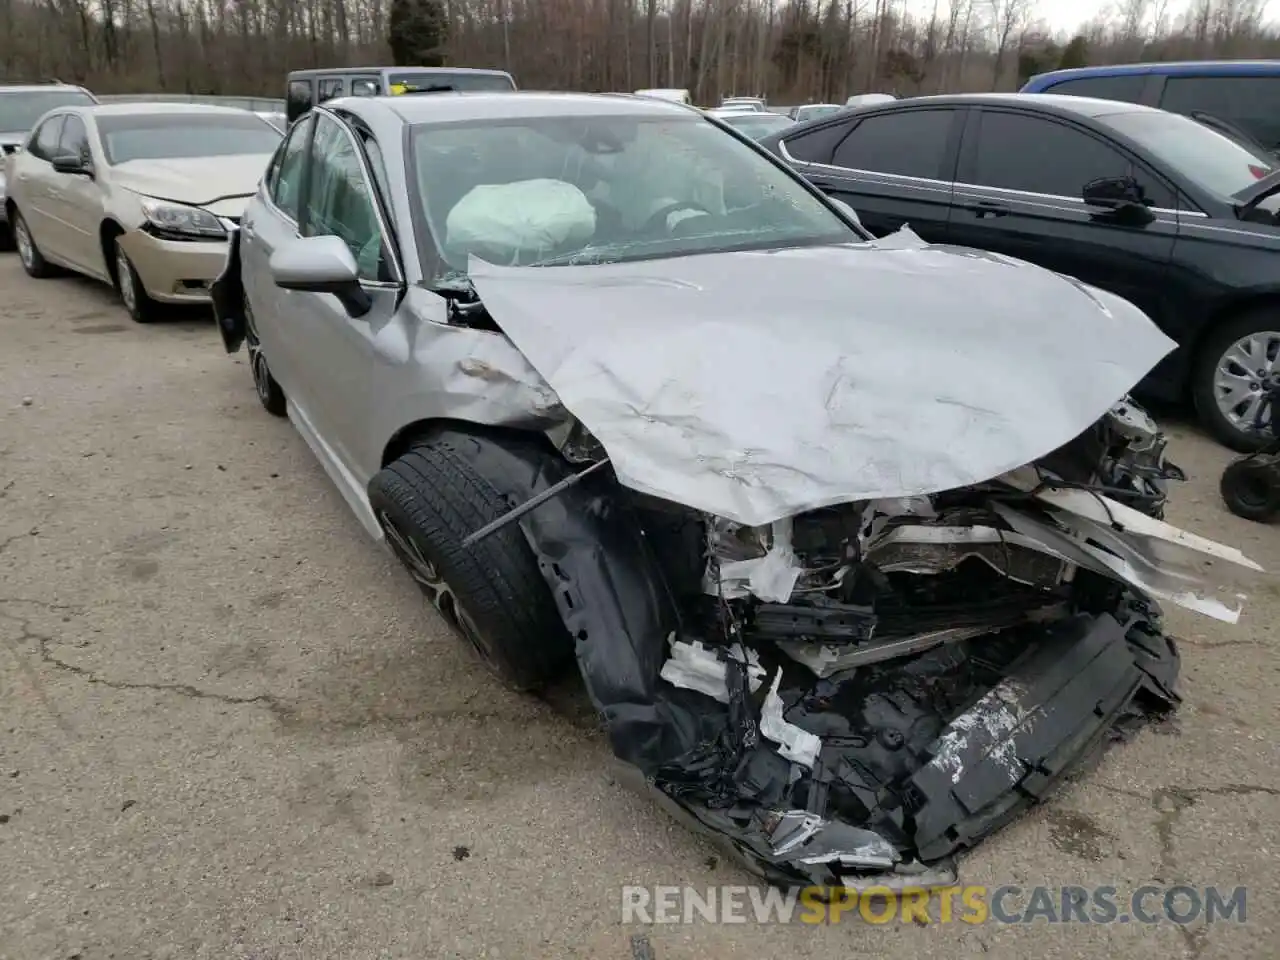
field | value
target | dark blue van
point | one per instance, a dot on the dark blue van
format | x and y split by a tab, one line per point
1241	93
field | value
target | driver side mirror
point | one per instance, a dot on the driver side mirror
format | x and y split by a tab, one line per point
321	265
71	164
1122	196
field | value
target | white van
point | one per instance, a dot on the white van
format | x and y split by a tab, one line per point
678	96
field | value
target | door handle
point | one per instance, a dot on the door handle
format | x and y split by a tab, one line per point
987	208
54	194
246	229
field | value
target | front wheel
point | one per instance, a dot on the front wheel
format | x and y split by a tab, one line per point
1230	377
492	593
132	293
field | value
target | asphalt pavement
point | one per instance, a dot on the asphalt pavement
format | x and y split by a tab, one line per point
230	728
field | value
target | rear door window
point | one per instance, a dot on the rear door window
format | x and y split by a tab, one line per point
365	87
818	146
1251	103
911	143
1127	88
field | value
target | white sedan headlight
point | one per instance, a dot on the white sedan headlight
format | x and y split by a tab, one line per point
177	221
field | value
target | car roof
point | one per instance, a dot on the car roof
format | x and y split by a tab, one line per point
512	105
1183	68
487	71
130	108
39	87
1059	103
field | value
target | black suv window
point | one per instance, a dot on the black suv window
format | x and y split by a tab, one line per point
1251	103
912	143
45	142
1127	88
299	99
330	87
1021	152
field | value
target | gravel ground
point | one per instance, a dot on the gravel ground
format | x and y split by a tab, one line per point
230	729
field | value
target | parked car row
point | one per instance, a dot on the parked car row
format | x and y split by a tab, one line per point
616	385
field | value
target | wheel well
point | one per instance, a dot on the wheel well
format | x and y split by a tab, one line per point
107	232
408	435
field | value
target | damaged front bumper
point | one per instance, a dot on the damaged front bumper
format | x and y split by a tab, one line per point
858	694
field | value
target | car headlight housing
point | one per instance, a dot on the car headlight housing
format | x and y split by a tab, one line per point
178	221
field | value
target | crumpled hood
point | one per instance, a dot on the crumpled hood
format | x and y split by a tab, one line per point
194	180
759	385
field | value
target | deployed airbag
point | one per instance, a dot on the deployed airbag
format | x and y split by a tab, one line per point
521	220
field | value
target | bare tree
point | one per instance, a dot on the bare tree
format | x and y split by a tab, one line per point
1008	19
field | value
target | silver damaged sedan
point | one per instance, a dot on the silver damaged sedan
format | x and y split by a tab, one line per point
857	544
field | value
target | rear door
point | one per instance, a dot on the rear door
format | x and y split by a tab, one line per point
1019	192
35	182
1250	103
894	168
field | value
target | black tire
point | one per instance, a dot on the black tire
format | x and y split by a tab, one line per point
496	596
132	293
269	392
1204	369
32	259
1250	488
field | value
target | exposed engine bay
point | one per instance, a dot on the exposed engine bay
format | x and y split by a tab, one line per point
857	694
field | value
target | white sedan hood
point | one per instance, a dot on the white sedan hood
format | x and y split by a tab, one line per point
759	385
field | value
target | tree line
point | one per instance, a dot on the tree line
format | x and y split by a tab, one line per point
790	50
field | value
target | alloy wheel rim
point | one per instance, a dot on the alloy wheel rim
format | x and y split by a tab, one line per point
23	240
1242	375
431	583
124	277
260	375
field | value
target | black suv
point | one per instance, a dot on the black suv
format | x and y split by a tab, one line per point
1159	208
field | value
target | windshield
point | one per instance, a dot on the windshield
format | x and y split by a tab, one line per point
462	82
756	125
19	110
174	136
1211	159
606	189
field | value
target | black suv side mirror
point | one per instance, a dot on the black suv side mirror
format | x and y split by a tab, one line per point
1122	196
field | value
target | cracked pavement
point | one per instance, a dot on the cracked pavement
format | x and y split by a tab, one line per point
230	728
